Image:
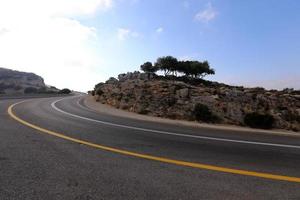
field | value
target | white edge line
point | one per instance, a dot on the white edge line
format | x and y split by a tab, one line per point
53	105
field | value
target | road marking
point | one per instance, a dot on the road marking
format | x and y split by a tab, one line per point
83	107
53	105
153	158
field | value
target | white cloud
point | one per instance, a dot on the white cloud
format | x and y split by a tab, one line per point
206	15
44	37
124	33
159	30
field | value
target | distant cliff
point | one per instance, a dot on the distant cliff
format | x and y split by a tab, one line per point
15	82
202	101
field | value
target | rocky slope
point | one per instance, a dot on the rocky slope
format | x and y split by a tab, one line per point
15	82
156	96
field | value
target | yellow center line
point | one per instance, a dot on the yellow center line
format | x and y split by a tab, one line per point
155	158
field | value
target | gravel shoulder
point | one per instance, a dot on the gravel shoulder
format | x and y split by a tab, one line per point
106	109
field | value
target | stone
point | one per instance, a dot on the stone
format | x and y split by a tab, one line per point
182	93
297	97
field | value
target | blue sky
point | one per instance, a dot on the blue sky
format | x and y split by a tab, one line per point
247	42
251	43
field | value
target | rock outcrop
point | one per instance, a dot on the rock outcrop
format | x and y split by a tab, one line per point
15	82
146	94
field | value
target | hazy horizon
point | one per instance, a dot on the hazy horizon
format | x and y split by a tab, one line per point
77	44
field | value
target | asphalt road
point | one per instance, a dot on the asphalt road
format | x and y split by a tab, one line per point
35	164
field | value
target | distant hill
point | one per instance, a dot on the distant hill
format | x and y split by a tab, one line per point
16	82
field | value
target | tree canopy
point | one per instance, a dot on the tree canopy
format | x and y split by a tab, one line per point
195	69
167	64
170	65
148	67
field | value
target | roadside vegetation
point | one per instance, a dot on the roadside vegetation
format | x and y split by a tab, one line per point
257	120
201	112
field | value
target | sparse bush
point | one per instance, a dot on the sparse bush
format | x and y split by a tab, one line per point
202	113
65	91
30	90
257	120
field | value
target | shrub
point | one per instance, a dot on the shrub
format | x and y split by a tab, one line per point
257	120
99	92
65	91
202	113
30	90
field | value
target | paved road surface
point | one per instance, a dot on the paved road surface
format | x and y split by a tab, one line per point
37	165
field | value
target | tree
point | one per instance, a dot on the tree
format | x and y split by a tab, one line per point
206	70
185	67
147	67
167	64
195	69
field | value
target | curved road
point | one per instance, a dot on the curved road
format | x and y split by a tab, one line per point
57	148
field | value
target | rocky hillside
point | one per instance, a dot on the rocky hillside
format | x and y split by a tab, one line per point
15	82
207	101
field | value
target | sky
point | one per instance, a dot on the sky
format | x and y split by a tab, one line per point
79	43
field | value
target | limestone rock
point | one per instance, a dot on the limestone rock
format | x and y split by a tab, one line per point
147	94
